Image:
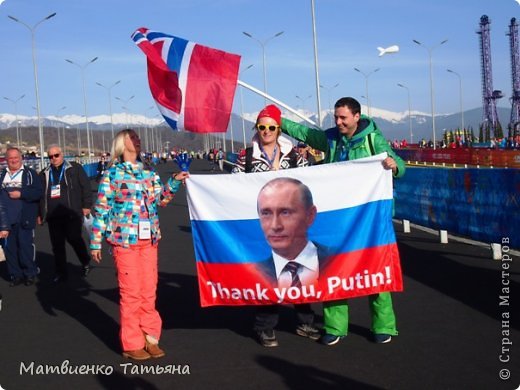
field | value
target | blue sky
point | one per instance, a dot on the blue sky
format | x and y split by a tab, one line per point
348	34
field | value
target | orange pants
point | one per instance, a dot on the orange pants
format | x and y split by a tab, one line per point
137	276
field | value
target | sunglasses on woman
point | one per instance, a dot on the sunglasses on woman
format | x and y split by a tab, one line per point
270	127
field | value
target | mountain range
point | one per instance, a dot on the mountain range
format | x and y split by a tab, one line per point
394	125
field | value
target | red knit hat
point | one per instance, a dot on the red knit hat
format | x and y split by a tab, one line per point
271	111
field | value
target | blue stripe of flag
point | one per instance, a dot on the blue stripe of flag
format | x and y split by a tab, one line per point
175	54
346	230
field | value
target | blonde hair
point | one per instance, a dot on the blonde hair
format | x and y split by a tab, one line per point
118	145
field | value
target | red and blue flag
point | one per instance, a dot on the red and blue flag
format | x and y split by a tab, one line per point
193	85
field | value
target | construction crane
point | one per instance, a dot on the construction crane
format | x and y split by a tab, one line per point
490	123
514	123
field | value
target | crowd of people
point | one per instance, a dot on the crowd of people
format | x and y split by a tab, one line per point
125	216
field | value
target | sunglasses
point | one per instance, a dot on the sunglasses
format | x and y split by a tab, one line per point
264	127
55	155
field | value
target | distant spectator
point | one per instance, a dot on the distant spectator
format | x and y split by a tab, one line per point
304	151
220	159
101	168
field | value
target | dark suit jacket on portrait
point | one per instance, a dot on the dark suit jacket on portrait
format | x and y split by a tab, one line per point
267	269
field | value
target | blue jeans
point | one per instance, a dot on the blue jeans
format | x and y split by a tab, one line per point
20	253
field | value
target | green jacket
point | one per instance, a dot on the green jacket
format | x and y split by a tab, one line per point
366	141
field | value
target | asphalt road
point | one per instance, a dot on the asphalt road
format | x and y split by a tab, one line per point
453	330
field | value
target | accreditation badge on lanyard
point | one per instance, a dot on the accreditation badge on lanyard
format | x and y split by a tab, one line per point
55	191
145	227
55	188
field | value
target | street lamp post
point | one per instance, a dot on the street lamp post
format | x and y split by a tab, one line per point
432	95
40	125
303	101
366	85
409	110
64	139
242	108
78	136
84	96
461	108
125	102
158	132
109	90
329	89
262	44
56	116
151	145
15	102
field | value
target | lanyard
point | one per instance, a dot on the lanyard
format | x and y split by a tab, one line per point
144	207
269	160
12	177
51	175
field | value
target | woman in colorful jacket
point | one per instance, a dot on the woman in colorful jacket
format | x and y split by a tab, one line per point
125	214
354	136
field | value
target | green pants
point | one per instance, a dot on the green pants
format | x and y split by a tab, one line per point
335	315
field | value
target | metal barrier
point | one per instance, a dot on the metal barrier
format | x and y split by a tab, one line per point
480	204
503	158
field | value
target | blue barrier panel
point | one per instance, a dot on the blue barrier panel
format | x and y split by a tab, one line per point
483	204
90	169
232	157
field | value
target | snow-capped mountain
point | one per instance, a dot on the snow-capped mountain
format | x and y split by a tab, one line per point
394	125
96	122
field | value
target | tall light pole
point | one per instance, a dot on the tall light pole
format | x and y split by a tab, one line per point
40	125
64	140
262	44
242	108
125	102
461	108
303	100
409	110
329	89
82	67
432	95
366	84
316	66
109	90
149	132
15	102
56	116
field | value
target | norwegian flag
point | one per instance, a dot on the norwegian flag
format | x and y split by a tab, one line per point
193	85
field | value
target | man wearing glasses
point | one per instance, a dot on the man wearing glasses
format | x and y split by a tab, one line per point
67	199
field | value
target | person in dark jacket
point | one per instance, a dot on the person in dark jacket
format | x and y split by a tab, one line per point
67	199
101	168
21	191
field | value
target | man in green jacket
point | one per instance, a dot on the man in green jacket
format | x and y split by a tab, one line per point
354	136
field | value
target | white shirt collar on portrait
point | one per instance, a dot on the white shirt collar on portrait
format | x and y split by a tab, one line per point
309	271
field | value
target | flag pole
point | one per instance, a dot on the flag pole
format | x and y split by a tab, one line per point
274	100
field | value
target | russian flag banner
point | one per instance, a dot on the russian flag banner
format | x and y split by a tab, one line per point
193	85
292	236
